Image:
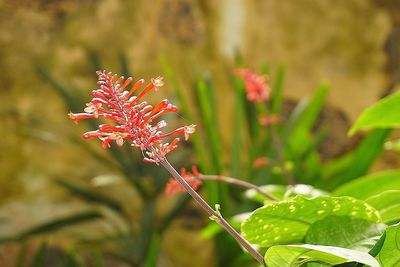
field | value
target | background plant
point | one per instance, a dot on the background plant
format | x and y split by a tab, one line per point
277	143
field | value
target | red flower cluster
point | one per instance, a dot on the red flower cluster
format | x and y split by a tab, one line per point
257	89
191	178
131	119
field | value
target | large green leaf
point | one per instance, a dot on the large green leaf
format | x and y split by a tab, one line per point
389	256
370	185
352	233
297	255
388	205
383	114
288	221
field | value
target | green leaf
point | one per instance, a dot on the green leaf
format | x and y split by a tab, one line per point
303	118
212	229
124	64
288	221
384	114
389	256
217	193
39	256
184	108
98	258
21	256
237	129
378	245
297	255
370	185
94	60
352	233
91	196
60	223
388	205
364	155
355	163
73	102
76	258
208	112
276	98
153	251
55	225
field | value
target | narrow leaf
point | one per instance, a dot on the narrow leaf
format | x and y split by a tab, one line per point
370	185
91	196
277	99
60	223
384	114
39	256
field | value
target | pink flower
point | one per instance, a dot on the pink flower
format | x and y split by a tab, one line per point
257	89
130	119
191	178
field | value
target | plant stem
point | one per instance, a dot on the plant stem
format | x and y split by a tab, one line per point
218	217
238	182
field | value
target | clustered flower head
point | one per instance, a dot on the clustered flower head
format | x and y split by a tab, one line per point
131	119
192	178
257	89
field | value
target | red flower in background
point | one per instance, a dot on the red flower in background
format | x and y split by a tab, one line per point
266	120
191	178
131	119
257	89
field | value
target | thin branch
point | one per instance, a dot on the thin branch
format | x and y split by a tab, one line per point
238	182
214	214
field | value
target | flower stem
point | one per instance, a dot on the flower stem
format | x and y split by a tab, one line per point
237	182
218	217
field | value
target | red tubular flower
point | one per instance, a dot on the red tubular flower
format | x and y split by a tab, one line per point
131	120
191	178
257	89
